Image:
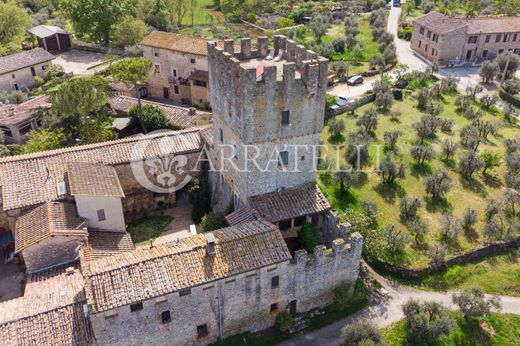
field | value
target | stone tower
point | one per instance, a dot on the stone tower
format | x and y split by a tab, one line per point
267	104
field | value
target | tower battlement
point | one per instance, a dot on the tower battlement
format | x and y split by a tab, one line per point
285	64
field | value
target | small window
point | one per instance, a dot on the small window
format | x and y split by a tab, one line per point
426	48
429	34
24	129
488	38
299	221
285	118
472	39
505	38
303	157
174	72
13	76
484	53
176	89
284	158
156	52
421	31
221	136
273	308
420	43
498	38
284	225
500	51
515	36
202	330
275	281
7	132
184	292
157	69
435	37
33	71
433	51
101	215
166	317
235	151
192	60
136	307
44	67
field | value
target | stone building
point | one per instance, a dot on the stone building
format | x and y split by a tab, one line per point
16	120
17	71
180	67
449	40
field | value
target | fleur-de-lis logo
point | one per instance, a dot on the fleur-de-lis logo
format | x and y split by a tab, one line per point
159	171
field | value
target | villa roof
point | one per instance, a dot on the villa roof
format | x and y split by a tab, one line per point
14	114
148	272
176	42
48	220
183	117
283	205
43	31
32	178
199	75
24	59
442	24
89	179
107	243
49	313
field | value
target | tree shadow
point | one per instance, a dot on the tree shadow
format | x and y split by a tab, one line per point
419	170
472	234
390	191
345	199
337	138
450	163
473	185
439	205
361	180
491	180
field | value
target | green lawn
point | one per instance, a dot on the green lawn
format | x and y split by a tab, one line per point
498	275
462	194
149	227
203	14
505	327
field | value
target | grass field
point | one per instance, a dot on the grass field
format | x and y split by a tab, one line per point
463	193
506	329
149	227
203	14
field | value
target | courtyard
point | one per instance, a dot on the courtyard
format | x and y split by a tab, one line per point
81	62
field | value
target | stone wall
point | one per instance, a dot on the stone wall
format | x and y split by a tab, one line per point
52	251
245	300
22	77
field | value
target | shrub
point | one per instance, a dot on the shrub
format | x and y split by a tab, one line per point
473	303
362	333
39	81
342	296
150	117
213	221
284	321
308	238
426	322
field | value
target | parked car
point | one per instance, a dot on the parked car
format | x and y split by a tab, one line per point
355	80
343	101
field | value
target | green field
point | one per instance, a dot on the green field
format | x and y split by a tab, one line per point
504	331
148	228
463	193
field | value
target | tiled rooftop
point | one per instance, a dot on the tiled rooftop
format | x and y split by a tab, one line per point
105	243
149	272
89	179
176	42
24	59
32	178
14	114
48	220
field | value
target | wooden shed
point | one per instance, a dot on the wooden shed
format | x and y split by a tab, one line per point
51	38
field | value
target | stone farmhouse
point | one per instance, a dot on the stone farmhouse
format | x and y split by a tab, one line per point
449	40
16	120
88	284
180	67
17	71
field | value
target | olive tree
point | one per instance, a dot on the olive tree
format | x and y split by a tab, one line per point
473	303
437	184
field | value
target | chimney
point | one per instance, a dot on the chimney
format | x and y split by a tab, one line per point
210	244
192	111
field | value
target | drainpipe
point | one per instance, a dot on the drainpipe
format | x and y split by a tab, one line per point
219	312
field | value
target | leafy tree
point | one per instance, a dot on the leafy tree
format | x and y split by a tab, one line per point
485	128
437	184
500	227
384	100
369	120
510	199
422	153
469	163
96	18
357	149
351	26
370	209
450	227
376	61
151	118
489	70
514	63
44	139
213	221
395	114
13	22
469	219
319	26
426	127
472	91
308	238
96	129
426	322
409	206
339	68
131	70
394	240
199	193
390	171
473	303
470	137
447	125
437	254
129	31
490	160
448	148
390	138
419	229
423	97
336	127
492	209
362	333
284	321
489	100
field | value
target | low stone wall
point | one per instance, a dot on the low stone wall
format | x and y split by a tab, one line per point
355	105
475	255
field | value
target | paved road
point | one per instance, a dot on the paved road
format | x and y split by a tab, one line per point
384	311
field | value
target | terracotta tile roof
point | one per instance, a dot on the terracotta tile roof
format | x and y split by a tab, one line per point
176	42
104	243
48	220
199	75
207	135
244	214
149	272
24	59
17	114
288	204
184	117
441	23
43	31
90	179
32	178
